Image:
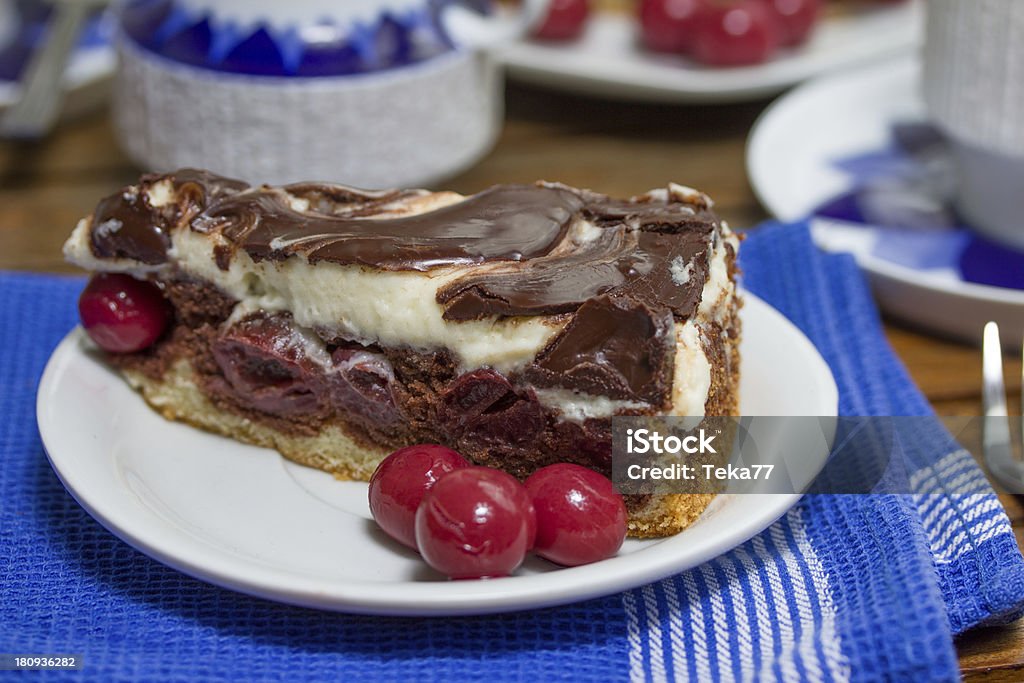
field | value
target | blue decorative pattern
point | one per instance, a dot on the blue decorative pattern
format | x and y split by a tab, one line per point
324	48
863	588
904	195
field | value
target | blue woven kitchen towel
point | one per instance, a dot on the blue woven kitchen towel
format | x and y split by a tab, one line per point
842	588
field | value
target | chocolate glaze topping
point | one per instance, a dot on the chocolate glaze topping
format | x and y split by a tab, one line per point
619	260
614	346
509	223
339	200
624	270
126	225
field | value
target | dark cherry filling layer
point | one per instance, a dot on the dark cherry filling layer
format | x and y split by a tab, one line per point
262	367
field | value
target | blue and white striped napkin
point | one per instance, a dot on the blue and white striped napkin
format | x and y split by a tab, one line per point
859	588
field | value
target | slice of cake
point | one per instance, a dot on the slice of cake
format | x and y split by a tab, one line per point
336	325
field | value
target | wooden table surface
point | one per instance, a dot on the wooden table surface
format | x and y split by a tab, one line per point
612	147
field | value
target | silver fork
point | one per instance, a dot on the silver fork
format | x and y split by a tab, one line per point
997	445
35	112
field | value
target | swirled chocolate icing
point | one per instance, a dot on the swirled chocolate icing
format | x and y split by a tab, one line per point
127	225
623	269
505	223
621	259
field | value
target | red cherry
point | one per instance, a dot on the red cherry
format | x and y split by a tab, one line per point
401	480
670	25
581	518
475	523
564	21
735	34
123	314
794	18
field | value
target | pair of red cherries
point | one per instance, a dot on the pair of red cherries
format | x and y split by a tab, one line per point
476	522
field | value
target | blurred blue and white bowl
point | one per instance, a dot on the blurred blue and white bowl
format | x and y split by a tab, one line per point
372	93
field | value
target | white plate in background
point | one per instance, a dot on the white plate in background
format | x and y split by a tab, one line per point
608	61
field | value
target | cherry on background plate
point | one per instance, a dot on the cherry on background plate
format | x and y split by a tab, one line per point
581	518
401	480
123	314
475	523
670	25
795	19
565	20
736	33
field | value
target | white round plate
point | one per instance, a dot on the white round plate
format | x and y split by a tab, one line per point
86	80
790	161
608	61
247	519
